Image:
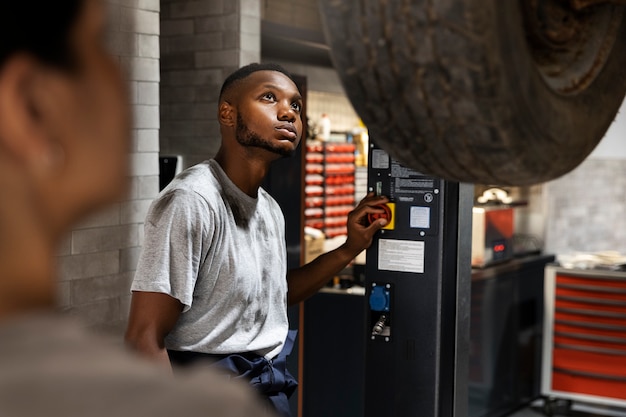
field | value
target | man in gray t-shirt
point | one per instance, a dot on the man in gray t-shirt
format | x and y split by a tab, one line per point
212	280
221	253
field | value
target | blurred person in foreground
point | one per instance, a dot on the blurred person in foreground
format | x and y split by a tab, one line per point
64	139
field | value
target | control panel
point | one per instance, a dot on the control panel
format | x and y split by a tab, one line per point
412	281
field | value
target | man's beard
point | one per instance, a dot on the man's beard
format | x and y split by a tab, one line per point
246	137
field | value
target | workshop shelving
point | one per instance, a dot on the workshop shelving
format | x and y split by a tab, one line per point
329	186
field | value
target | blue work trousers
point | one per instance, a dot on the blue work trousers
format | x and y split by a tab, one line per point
269	377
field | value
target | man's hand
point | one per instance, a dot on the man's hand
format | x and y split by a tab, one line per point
360	231
308	279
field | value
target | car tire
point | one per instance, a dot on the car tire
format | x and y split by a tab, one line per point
497	92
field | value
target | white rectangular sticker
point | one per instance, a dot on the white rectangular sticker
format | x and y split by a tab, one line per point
401	255
420	217
380	159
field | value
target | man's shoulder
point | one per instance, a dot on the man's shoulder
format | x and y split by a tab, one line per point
196	181
270	201
194	177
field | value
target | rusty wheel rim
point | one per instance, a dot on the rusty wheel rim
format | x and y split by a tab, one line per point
570	41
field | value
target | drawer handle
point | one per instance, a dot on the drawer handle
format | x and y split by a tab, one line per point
583	312
593	288
588	325
591	349
590	374
595	338
590	300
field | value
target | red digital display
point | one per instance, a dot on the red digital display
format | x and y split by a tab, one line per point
499	247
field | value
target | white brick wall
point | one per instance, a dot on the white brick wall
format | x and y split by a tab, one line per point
201	43
585	208
98	259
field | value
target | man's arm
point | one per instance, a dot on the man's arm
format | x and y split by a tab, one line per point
308	279
152	317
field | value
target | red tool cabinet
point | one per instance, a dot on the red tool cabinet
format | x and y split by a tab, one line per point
584	345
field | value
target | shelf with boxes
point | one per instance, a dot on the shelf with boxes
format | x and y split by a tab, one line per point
329	186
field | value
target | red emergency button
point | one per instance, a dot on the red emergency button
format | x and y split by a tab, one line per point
372	217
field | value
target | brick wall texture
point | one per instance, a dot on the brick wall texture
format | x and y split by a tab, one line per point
584	210
201	43
301	14
98	258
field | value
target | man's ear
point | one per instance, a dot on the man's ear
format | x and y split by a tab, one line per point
22	132
226	114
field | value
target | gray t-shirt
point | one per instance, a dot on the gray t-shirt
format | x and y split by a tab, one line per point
222	254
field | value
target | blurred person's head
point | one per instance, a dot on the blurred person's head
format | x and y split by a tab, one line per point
64	136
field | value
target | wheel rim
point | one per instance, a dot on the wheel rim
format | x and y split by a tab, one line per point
569	47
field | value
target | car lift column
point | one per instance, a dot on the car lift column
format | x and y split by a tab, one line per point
418	278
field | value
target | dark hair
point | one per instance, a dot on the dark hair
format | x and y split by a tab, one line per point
39	27
247	70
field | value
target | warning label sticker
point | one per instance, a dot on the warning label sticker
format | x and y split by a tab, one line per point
401	255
